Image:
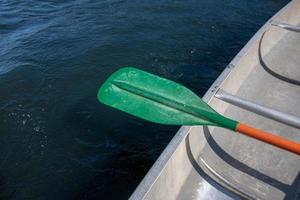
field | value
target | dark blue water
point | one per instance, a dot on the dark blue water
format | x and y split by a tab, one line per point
56	140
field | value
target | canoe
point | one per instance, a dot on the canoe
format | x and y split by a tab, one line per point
261	86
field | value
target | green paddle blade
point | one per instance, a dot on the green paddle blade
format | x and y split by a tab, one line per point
158	100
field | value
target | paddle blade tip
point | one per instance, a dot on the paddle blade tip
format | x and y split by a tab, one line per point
107	83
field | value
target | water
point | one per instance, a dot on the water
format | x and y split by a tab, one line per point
56	140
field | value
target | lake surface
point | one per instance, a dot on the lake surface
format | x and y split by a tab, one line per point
56	140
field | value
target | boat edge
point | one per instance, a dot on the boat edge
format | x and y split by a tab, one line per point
153	174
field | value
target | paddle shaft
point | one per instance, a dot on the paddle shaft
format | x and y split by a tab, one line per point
269	138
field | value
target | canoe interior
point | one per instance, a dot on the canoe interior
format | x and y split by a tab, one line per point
212	163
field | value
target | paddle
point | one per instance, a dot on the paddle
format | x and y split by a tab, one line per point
162	101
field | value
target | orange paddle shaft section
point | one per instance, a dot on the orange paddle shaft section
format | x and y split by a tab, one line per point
269	138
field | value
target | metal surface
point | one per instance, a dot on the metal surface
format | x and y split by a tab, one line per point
265	111
209	163
286	26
